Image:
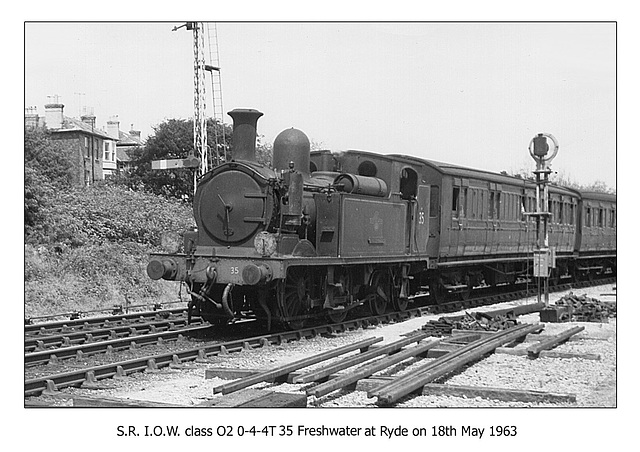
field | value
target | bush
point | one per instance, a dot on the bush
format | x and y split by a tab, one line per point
101	213
89	249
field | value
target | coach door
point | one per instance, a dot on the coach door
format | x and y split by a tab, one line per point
433	242
421	222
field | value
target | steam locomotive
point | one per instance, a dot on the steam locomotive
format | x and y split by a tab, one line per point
320	233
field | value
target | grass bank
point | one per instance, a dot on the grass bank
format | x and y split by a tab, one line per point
90	247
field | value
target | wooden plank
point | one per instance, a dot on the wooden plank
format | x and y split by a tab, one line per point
553	341
277	400
111	402
234	399
511	351
419	377
293	366
502	394
325	371
366	384
257	398
442	350
547	353
555	354
383	363
229	373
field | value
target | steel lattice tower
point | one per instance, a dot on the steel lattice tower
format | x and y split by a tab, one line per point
219	154
199	98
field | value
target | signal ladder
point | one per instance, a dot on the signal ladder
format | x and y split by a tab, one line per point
218	148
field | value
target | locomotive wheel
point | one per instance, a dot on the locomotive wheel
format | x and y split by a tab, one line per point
381	290
401	304
337	316
296	300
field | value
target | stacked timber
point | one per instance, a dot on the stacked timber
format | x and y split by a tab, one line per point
477	321
587	309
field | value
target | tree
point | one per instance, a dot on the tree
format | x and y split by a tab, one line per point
172	139
48	168
563	179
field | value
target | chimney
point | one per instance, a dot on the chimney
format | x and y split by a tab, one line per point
244	133
135	134
89	119
53	115
113	128
30	117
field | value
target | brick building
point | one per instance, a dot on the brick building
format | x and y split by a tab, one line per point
127	143
98	152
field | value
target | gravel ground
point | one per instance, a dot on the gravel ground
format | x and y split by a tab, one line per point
592	381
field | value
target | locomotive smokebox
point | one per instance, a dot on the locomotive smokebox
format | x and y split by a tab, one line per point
292	145
244	133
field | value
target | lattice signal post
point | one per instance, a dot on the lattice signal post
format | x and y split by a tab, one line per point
199	158
543	255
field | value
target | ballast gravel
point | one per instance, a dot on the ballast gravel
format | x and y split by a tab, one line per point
593	381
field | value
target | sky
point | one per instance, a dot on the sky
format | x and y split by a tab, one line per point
472	94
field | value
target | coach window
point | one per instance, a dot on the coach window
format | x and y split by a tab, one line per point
492	201
465	192
571	213
474	203
561	211
587	217
600	218
455	204
613	218
434	201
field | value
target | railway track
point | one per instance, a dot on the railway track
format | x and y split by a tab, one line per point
90	375
90	323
